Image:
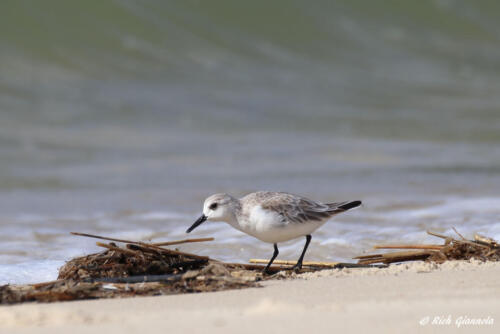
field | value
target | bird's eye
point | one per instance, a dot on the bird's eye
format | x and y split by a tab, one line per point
213	206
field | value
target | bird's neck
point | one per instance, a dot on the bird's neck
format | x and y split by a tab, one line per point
232	218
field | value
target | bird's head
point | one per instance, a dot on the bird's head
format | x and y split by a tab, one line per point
218	207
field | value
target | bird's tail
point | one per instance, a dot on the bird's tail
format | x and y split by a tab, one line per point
343	206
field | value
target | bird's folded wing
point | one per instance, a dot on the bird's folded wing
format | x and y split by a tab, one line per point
298	210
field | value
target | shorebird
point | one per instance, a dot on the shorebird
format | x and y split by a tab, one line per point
272	217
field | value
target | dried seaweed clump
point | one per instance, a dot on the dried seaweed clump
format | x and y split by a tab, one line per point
481	248
131	261
138	269
213	277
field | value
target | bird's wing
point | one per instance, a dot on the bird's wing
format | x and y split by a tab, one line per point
295	209
343	206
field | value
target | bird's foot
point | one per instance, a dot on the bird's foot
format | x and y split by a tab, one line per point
297	267
267	271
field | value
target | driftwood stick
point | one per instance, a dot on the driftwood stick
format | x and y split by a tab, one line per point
438	235
250	266
461	236
397	257
435	247
342	265
330	265
136	279
106	238
272	269
370	261
170	243
366	256
144	244
405	253
292	263
157	249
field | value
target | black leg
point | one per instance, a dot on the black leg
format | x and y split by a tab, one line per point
298	266
276	252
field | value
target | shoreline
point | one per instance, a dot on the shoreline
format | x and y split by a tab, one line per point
390	300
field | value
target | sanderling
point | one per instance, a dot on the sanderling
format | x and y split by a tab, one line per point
272	216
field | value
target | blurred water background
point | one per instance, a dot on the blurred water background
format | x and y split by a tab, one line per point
120	117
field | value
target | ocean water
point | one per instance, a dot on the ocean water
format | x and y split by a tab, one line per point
120	117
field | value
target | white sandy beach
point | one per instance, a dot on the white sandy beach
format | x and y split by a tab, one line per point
404	298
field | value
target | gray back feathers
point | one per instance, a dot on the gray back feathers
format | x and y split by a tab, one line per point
297	209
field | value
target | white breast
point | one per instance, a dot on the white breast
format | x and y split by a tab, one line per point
268	226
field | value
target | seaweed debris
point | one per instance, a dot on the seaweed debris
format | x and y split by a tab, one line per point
141	269
137	268
480	248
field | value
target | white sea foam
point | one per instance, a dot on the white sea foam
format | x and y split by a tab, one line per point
29	272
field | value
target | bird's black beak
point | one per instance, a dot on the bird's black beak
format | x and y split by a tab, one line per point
197	223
